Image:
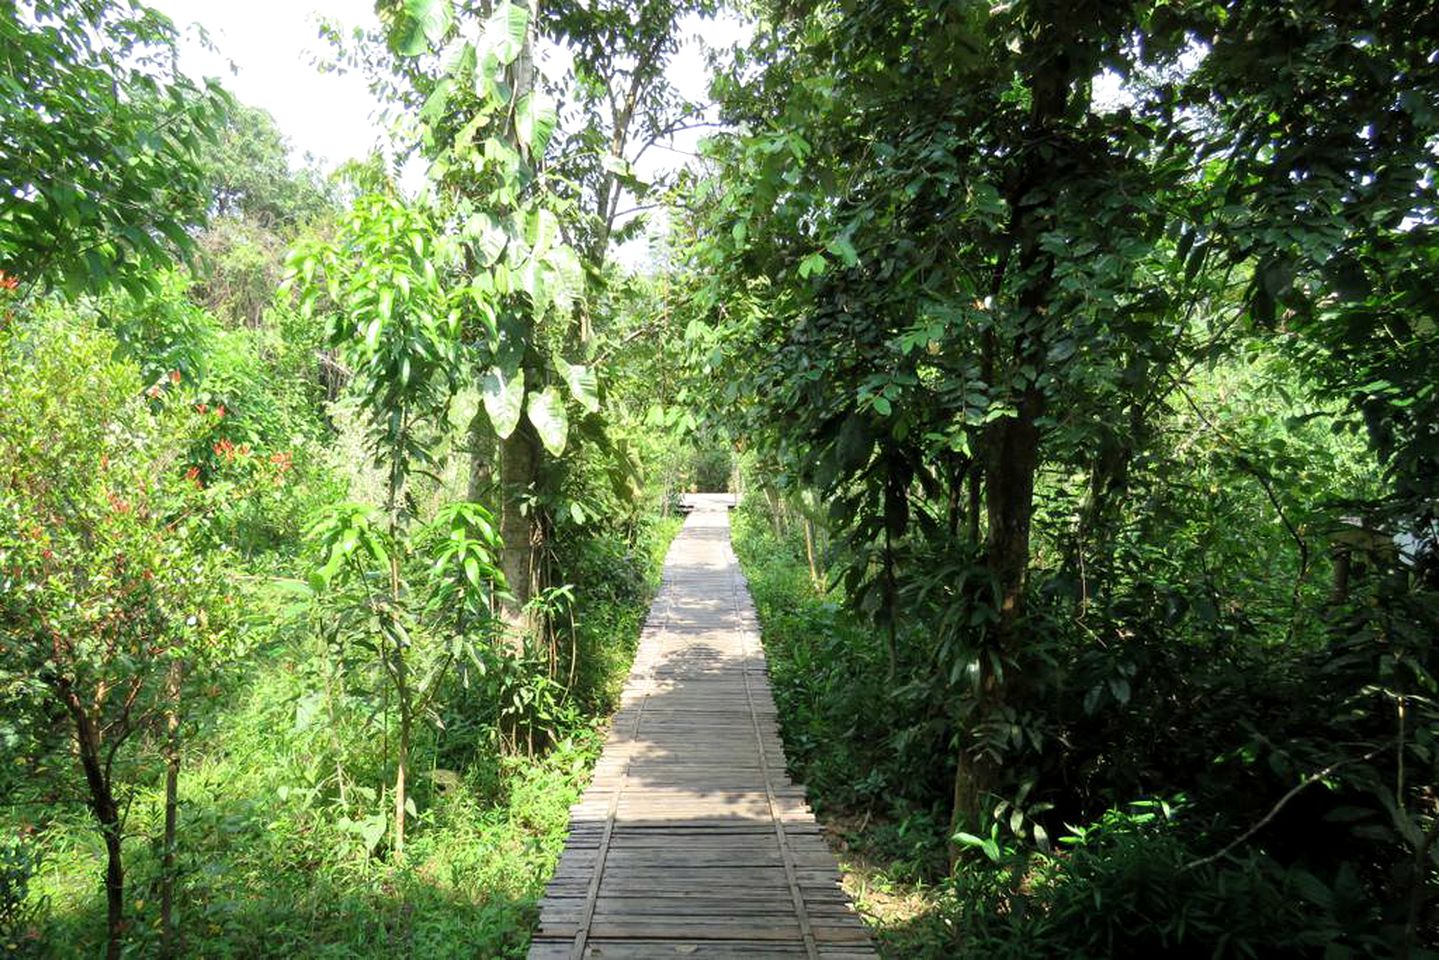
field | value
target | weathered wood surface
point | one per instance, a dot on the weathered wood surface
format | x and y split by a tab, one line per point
691	841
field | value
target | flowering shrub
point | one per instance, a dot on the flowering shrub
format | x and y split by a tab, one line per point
106	599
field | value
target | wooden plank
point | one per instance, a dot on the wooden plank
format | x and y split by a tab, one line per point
690	840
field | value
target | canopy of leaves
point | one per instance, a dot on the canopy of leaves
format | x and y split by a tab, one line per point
86	204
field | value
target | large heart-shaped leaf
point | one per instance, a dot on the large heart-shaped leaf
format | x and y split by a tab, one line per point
544	228
488	236
464	405
420	25
547	412
535	120
567	276
503	393
584	384
505	31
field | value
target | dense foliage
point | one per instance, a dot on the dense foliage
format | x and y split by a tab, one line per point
1077	364
268	669
1092	327
100	151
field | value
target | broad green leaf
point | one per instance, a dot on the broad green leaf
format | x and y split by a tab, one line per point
544	228
488	237
505	31
420	25
372	333
535	120
566	275
510	345
438	100
584	385
812	264
464	405
372	830
530	278
842	248
503	394
459	58
546	411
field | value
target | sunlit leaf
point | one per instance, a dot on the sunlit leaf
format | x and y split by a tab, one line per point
535	120
584	385
420	25
503	395
546	411
505	31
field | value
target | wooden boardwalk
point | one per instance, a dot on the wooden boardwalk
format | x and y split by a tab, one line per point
691	841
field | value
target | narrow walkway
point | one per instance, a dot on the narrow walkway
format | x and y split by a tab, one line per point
692	842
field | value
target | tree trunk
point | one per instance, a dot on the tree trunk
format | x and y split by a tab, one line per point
1013	460
402	763
107	814
1009	496
814	576
172	802
114	881
520	451
519	470
480	487
974	777
976	503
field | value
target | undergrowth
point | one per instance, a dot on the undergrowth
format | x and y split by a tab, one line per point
1213	868
275	863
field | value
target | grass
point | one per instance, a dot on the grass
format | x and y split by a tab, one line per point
274	864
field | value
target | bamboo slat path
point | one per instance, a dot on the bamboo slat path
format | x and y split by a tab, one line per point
691	841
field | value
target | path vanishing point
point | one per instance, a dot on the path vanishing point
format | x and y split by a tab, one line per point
691	841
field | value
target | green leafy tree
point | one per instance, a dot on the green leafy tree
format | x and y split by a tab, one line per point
249	170
484	127
388	274
260	205
624	106
945	273
935	268
108	594
101	144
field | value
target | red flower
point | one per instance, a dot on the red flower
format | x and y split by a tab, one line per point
201	408
174	376
220	410
192	474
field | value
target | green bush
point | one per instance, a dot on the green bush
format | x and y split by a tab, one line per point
20	860
1182	701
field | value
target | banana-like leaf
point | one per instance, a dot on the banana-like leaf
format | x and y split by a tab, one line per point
584	385
505	31
535	121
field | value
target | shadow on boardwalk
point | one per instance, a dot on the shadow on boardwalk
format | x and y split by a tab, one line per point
691	841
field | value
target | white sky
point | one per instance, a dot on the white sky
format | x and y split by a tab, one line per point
273	45
266	52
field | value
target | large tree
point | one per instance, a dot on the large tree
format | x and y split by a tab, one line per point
101	144
942	262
